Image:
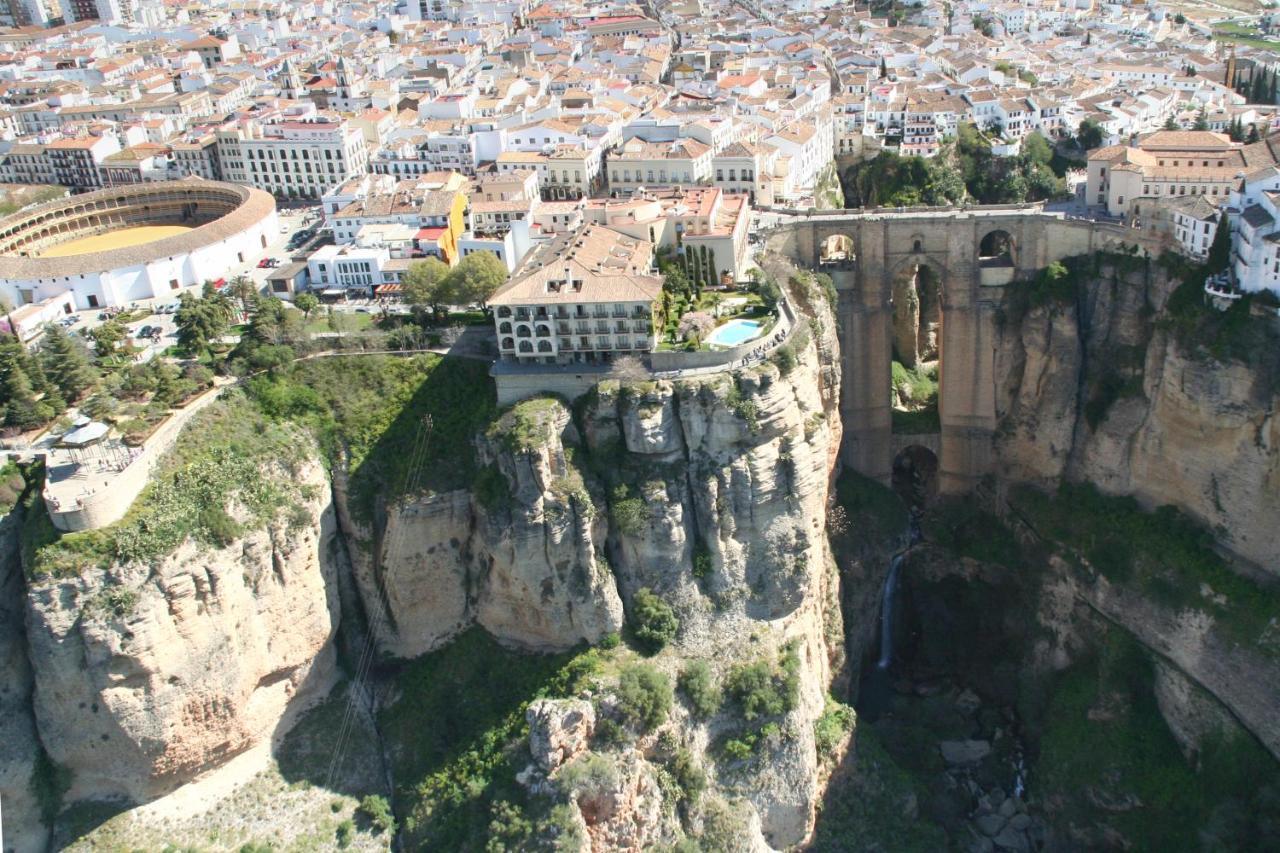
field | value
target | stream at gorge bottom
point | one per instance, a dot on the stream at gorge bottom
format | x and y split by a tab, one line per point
940	695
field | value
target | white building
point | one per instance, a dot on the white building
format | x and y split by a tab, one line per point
293	158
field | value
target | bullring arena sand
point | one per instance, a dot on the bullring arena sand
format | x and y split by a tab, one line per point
120	239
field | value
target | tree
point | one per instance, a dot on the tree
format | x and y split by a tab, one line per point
306	303
696	325
243	289
476	278
1170	124
654	621
644	696
422	284
65	363
1036	149
201	320
20	386
1202	121
1254	136
884	69
1220	249
107	337
1089	135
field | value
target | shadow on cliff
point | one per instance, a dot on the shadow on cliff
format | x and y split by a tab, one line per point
427	446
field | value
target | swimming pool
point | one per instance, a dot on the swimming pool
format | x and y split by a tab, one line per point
733	333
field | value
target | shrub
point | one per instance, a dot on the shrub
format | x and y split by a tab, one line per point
611	640
491	488
762	690
831	727
702	565
785	358
629	513
688	775
378	811
698	686
654	621
346	834
592	774
723	827
740	749
644	696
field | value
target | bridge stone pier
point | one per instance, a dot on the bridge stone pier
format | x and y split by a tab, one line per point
971	255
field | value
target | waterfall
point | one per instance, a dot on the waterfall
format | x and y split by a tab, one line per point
886	613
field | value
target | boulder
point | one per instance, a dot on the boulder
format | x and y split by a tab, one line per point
559	730
964	751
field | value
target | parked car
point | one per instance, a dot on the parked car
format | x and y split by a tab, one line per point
144	332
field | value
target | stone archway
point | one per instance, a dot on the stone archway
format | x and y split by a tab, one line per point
837	250
997	249
916	300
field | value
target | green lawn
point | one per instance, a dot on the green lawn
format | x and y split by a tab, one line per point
1242	34
347	321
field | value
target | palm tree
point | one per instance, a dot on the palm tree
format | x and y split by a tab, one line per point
243	288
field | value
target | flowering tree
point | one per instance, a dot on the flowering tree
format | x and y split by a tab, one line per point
696	325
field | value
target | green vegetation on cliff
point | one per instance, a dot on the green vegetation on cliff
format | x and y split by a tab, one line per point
459	736
1164	555
368	413
1107	759
214	466
873	800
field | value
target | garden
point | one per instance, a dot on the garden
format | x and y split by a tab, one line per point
694	314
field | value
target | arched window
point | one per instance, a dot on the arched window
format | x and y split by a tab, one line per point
544	346
544	330
505	328
508	343
522	332
504	311
526	346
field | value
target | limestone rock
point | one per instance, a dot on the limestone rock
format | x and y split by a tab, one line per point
1201	434
989	824
964	751
559	730
626	815
204	661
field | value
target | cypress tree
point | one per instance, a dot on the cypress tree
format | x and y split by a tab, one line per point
18	402
65	363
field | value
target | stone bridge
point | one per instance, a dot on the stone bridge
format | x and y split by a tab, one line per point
966	257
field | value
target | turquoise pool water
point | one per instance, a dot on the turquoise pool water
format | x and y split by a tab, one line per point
734	332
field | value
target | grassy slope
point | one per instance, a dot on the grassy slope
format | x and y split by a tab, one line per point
459	736
368	411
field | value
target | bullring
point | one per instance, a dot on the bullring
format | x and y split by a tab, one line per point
226	223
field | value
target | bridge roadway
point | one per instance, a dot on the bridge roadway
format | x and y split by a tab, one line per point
880	252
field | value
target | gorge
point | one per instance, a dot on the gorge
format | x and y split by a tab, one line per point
640	619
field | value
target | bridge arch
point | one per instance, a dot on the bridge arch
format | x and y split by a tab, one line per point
997	248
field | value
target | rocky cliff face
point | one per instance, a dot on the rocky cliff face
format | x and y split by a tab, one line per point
711	492
19	743
520	556
1100	391
148	674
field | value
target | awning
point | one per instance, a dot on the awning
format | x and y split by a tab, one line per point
387	288
334	291
85	435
